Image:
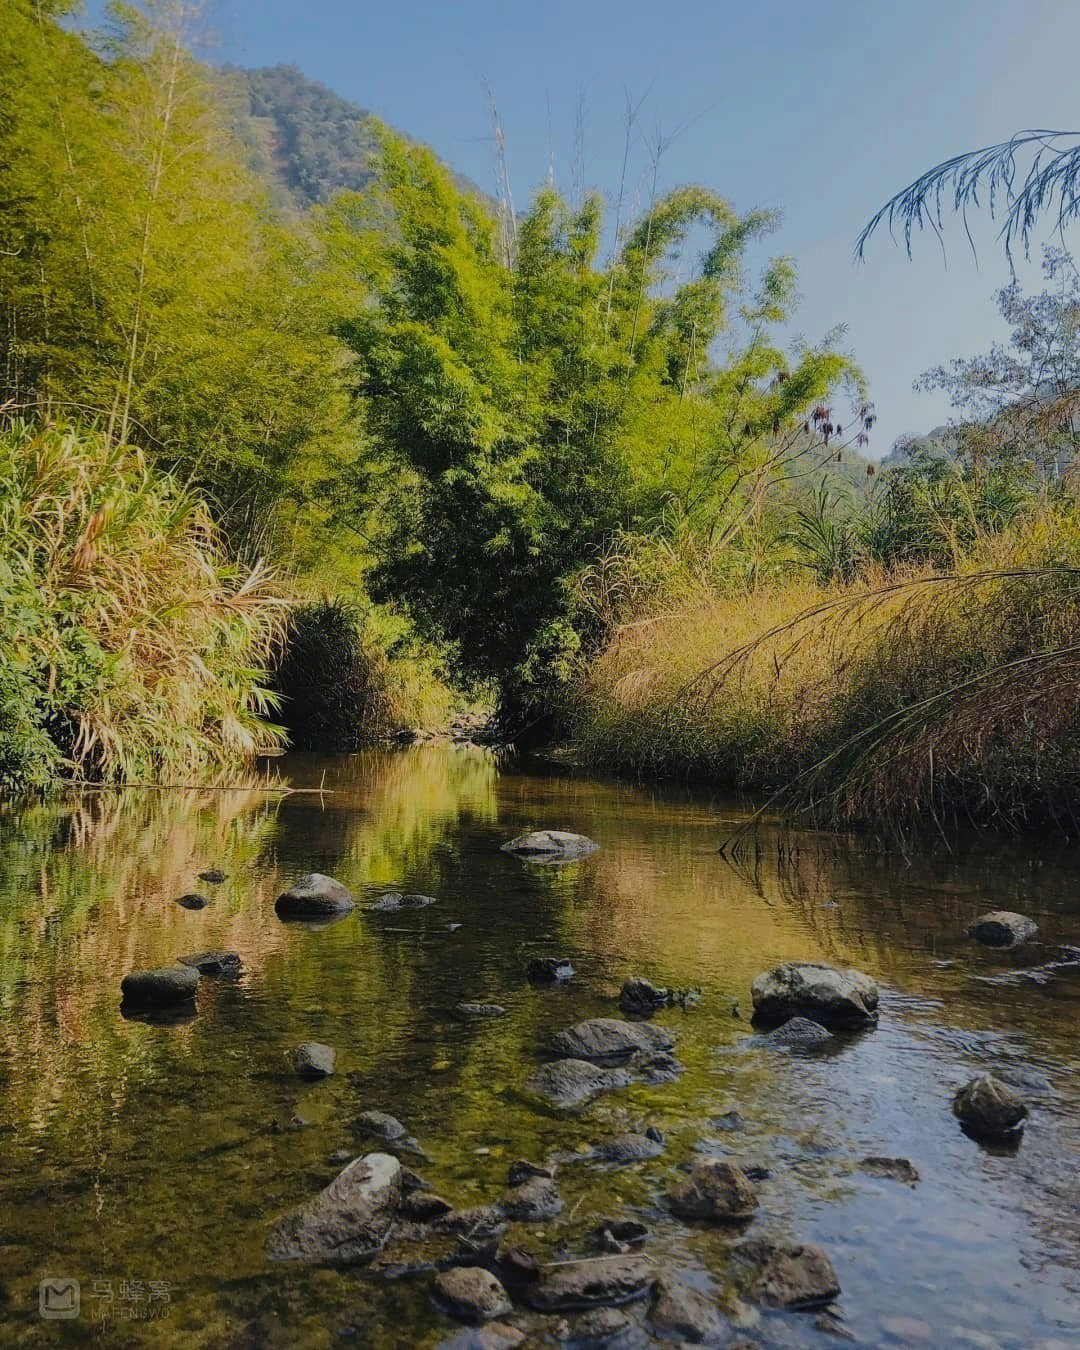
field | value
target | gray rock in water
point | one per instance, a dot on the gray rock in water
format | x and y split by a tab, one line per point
393	901
549	970
624	1149
549	846
1002	928
314	897
472	1293
380	1125
990	1110
521	1170
568	1083
533	1201
844	999
604	1282
640	996
159	988
425	1206
789	1275
476	1223
682	1314
213	963
313	1060
716	1190
601	1327
619	1235
605	1040
193	901
891	1169
469	1012
348	1221
798	1033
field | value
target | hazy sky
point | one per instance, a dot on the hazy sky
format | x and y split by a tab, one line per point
821	108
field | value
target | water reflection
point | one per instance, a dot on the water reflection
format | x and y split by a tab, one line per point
135	1150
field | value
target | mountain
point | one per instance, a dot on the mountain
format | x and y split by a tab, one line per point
307	141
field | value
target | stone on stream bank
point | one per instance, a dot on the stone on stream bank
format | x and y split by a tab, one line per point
548	846
838	999
162	988
1002	928
989	1110
313	1060
789	1275
347	1222
716	1191
472	1293
213	963
314	897
606	1040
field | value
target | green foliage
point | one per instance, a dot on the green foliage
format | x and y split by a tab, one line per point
333	679
132	648
531	405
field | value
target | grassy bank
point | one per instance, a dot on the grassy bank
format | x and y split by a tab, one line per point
910	696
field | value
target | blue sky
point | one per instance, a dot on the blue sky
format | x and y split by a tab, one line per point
822	108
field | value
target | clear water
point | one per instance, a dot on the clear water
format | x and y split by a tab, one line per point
147	1162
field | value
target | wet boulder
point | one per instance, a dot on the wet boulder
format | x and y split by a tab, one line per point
348	1221
472	1293
798	1033
213	963
312	1060
990	1110
682	1314
1002	928
550	846
533	1201
566	1083
163	988
393	901
606	1281
789	1275
625	1149
605	1040
549	970
314	897
717	1191
837	999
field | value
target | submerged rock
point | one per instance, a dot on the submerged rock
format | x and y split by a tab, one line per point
314	897
212	874
494	1336
386	1128
532	1201
348	1221
549	970
683	1314
607	1040
717	1191
472	1293
798	1033
521	1170
478	1222
844	999
425	1206
990	1110
163	988
601	1327
630	1148
573	1082
619	1235
892	1169
193	901
393	901
474	1011
1002	928
313	1060
606	1281
213	963
789	1275
547	846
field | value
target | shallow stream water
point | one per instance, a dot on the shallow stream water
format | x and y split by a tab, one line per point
147	1162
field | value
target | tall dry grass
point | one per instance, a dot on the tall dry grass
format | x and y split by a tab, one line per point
907	697
131	646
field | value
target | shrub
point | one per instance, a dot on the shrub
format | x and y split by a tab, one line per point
132	648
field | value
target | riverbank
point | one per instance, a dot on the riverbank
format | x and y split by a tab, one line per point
906	699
